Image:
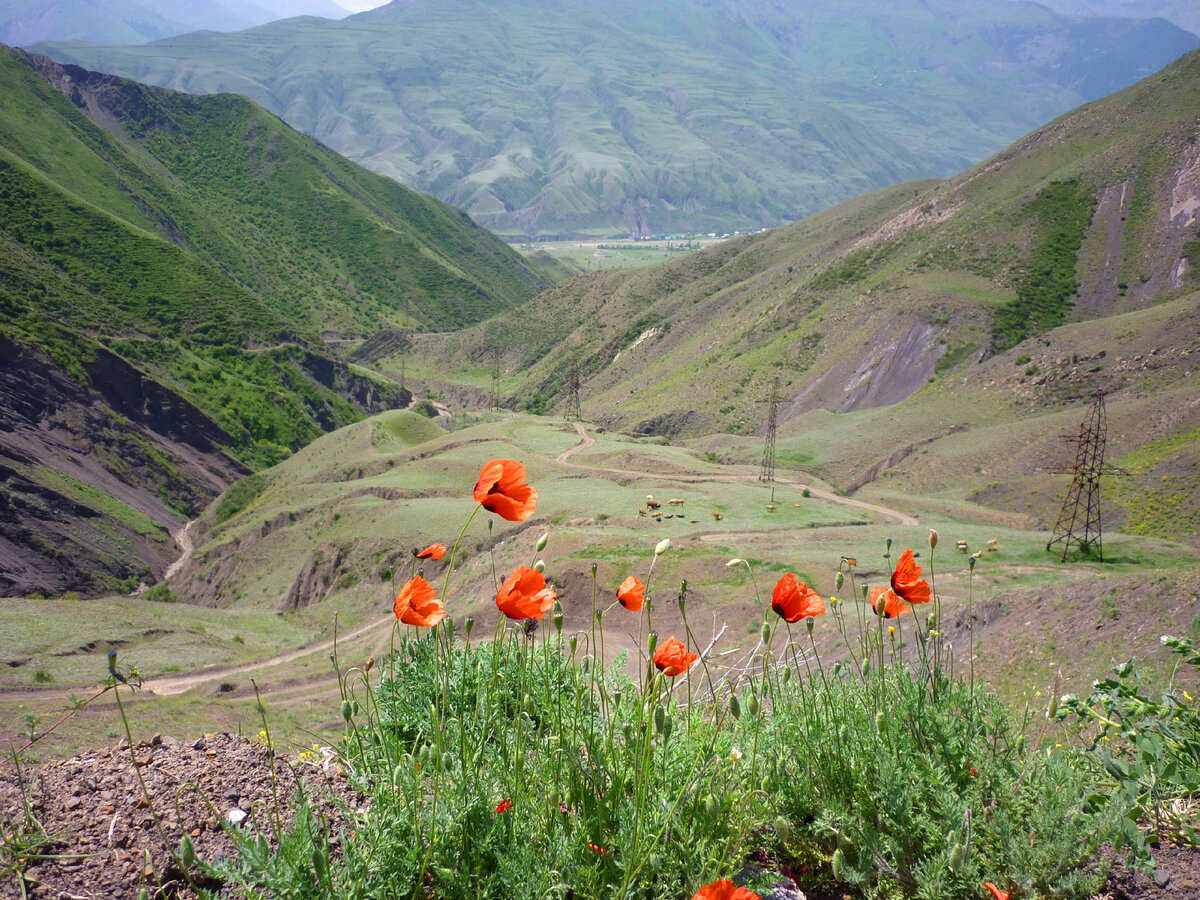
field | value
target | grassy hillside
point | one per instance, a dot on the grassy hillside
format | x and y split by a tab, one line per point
980	300
570	118
168	263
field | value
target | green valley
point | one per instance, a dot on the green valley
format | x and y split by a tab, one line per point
572	120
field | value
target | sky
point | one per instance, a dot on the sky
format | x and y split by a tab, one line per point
360	5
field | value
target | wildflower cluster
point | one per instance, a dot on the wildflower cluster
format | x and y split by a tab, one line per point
530	765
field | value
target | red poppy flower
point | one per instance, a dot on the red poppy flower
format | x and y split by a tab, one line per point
632	593
417	604
996	892
504	805
907	580
672	658
433	551
724	890
794	600
524	595
892	604
502	489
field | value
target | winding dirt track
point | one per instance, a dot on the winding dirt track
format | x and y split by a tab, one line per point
179	684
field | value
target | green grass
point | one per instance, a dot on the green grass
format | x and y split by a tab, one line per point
99	501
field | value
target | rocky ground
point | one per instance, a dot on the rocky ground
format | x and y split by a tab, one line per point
105	843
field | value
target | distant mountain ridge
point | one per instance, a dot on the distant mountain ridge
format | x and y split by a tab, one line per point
572	118
167	264
24	22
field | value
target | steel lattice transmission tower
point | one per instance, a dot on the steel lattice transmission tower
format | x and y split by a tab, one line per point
766	472
1079	520
574	410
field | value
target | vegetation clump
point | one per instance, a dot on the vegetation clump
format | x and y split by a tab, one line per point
1061	213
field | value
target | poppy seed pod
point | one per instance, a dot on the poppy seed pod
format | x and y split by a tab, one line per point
540	565
651	642
558	620
469	624
593	569
541	542
809	623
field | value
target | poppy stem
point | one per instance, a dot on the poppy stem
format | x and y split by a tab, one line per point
454	551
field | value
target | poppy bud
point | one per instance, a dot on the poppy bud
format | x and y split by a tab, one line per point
971	563
734	562
143	894
651	642
666	729
864	590
766	632
187	852
616	697
662	547
782	828
573	642
354	707
839	580
838	864
735	707
593	570
347	710
541	542
932	538
752	704
660	718
468	624
958	856
1052	711
539	566
320	864
370	664
809	623
889	544
787	674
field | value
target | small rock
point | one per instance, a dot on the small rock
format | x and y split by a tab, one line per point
169	741
198	744
156	740
1161	878
235	816
122	744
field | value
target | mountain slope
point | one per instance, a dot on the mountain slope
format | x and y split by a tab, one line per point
166	263
570	118
980	300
